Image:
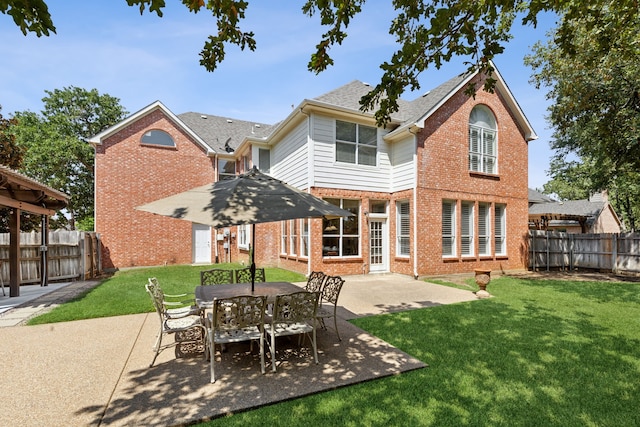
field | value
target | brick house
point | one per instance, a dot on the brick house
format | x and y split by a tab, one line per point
441	189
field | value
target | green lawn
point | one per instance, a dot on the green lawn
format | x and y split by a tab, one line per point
540	353
124	292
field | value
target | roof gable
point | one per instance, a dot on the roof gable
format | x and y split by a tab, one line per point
416	112
157	105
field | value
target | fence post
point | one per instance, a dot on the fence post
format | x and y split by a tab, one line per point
532	233
570	252
614	253
548	260
83	254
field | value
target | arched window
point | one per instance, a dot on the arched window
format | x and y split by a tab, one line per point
158	137
483	150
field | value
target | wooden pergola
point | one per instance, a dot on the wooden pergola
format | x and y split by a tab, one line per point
21	193
541	221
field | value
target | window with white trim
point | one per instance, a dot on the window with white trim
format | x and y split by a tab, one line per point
467	229
483	150
264	160
226	169
293	237
157	137
284	236
304	237
448	228
500	222
484	229
246	163
403	228
341	236
243	236
355	143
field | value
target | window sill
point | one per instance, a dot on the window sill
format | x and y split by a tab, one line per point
165	147
337	259
490	176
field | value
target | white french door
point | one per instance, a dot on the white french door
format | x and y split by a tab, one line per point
378	246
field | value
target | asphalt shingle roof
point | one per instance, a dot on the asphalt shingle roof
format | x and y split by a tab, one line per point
570	207
348	96
215	131
220	132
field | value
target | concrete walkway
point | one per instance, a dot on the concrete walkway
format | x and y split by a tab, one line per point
96	372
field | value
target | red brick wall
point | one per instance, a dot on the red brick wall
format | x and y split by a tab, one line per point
444	174
129	174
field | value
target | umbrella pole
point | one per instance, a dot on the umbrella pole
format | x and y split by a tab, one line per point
253	257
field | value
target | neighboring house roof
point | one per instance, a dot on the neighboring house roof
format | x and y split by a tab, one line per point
543	210
538	197
569	207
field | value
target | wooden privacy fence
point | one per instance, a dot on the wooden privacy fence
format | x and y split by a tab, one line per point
72	255
619	253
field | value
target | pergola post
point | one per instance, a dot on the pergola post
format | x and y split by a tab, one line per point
44	244
14	253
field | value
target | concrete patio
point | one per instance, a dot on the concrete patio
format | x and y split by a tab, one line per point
96	372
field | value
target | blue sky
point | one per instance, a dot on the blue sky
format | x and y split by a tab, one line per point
109	46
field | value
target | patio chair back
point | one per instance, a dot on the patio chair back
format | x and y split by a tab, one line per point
330	293
243	275
236	319
216	276
315	281
293	314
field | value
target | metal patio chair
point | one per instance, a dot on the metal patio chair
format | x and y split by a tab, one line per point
293	314
185	321
236	319
329	302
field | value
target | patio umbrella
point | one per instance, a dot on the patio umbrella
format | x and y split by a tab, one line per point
250	198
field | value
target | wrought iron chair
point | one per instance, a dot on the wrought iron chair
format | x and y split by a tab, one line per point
233	320
293	314
243	275
185	321
216	276
329	302
315	281
175	305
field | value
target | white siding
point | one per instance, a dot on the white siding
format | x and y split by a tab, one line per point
289	158
402	164
331	174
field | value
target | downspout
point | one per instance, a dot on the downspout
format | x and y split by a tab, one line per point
415	204
310	173
215	235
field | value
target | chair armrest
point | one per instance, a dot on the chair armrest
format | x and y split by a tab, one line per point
179	295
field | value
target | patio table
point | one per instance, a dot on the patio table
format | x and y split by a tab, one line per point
207	293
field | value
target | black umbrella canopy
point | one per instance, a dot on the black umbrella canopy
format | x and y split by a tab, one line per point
250	198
